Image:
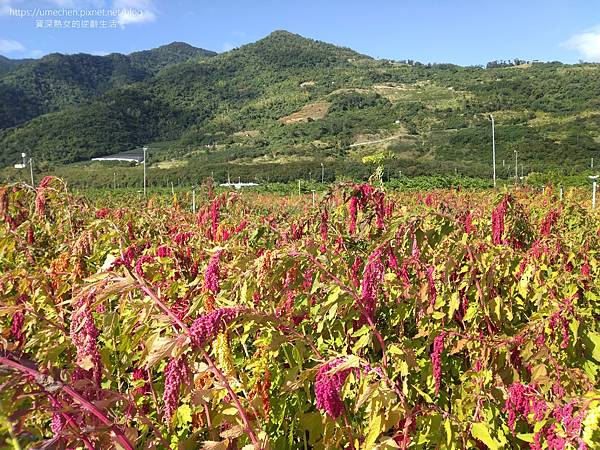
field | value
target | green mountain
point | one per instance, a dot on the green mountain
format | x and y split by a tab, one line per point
57	81
278	108
7	64
151	61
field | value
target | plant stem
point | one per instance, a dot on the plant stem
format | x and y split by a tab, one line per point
44	381
358	303
71	422
223	379
208	359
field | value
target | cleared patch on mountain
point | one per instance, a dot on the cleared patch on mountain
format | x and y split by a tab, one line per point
308	113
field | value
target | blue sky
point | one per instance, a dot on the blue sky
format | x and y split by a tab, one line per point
457	31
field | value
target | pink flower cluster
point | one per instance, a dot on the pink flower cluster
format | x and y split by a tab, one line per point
558	320
16	327
585	269
214	218
175	373
183	238
469	228
498	216
436	359
141	374
40	197
129	255
352	207
363	195
569	434
328	387
523	400
211	276
164	252
379	201
371	283
432	289
206	327
549	221
355	271
57	424
323	228
102	213
83	335
416	251
307	279
429	199
139	265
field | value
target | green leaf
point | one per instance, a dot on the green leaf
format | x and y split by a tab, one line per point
366	394
375	425
332	312
184	415
527	437
453	304
595	338
480	431
426	396
448	428
471	312
363	342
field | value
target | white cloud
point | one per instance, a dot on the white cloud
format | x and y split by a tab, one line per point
64	3
587	44
135	11
100	53
35	54
9	46
227	46
5	6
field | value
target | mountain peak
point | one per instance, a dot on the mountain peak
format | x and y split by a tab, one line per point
282	48
168	54
283	33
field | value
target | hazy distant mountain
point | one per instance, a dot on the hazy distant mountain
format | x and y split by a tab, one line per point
57	81
7	64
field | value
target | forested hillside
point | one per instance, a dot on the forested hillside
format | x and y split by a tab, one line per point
277	108
54	82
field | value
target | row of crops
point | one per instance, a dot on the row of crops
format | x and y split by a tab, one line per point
448	319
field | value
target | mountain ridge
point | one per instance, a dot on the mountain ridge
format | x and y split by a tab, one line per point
426	117
58	80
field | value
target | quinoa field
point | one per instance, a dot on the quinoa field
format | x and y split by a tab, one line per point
369	319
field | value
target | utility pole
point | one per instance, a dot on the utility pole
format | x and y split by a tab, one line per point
516	167
31	172
145	149
322	173
114	181
593	178
194	200
493	148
